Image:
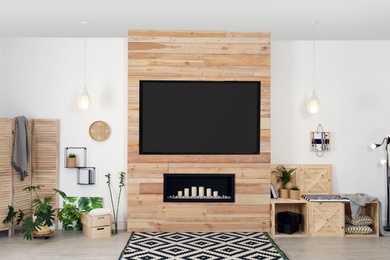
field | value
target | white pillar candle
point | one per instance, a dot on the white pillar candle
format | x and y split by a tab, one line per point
208	192
215	194
186	192
201	192
180	193
194	191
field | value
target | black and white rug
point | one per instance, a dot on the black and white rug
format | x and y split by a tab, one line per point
201	246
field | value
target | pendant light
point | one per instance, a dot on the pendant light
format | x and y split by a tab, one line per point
314	103
84	99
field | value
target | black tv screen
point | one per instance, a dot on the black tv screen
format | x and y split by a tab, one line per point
199	117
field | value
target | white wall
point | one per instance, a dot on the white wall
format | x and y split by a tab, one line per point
42	78
353	85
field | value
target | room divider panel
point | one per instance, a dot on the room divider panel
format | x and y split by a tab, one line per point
43	165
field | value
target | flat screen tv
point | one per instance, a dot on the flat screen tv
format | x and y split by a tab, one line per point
199	117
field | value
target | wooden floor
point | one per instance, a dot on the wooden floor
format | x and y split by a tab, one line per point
335	248
74	245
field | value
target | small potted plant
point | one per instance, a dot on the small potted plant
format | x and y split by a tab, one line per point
71	161
285	177
295	193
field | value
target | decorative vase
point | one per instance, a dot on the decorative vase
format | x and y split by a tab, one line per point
70	162
284	193
295	194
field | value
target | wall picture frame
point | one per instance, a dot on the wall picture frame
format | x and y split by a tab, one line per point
320	141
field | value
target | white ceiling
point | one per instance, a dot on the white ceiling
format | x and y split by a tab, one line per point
285	19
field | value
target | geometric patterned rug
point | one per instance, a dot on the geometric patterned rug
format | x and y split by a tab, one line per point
201	246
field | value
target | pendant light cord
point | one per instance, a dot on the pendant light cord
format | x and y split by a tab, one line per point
85	44
314	55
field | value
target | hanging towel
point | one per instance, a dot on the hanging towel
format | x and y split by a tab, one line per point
21	146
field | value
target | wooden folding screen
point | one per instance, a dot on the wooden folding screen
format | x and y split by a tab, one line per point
5	168
43	166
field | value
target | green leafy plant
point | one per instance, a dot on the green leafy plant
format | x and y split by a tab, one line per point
121	184
294	187
70	215
72	155
41	213
284	175
90	203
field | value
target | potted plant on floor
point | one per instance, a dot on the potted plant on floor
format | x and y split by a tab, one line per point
285	177
295	193
37	220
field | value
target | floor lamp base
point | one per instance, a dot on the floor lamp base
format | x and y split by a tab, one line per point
386	228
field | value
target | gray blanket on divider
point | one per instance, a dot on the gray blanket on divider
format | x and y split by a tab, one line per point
21	146
359	200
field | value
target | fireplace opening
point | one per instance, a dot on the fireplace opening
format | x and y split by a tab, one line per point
199	187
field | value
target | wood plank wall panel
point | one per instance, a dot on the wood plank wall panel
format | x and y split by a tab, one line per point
189	55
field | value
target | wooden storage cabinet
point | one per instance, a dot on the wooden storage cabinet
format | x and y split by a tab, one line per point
296	206
97	226
322	219
326	219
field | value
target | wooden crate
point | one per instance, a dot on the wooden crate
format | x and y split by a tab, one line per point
296	206
97	232
96	221
326	219
315	179
96	226
370	209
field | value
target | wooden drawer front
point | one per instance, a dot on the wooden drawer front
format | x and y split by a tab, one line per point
96	221
327	219
97	232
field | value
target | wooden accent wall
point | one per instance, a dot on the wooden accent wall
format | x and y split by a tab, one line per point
189	55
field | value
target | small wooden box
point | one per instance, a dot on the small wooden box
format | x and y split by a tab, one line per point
96	226
97	232
96	221
327	219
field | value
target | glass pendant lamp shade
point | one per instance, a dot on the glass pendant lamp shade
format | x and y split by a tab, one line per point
314	104
84	99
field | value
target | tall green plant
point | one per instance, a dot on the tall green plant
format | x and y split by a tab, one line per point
121	184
